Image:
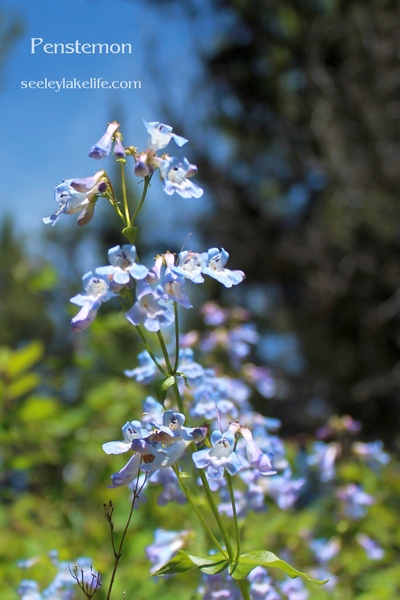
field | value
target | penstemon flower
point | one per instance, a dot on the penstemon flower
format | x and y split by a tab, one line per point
191	399
219	457
77	196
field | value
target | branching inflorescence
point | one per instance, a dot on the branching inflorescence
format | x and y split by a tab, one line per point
226	440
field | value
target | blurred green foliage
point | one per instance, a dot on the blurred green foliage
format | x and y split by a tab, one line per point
54	475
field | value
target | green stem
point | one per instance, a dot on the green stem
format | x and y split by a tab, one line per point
142	199
217	516
165	353
124	196
149	350
171	372
235	518
198	513
176	312
244	588
178	398
118	554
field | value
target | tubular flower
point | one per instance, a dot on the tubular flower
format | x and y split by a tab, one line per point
174	176
215	267
77	196
147	309
257	459
97	291
123	266
219	457
161	135
102	148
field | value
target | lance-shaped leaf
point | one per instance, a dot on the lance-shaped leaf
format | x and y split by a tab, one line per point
249	561
184	562
161	387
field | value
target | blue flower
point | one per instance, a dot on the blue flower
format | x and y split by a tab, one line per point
147	309
174	176
355	500
161	135
97	291
102	148
219	457
191	265
170	489
173	287
130	431
123	266
146	370
262	585
215	267
77	196
119	150
257	459
128	473
373	550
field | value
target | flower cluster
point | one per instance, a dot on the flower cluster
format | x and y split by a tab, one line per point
63	586
154	287
80	195
154	446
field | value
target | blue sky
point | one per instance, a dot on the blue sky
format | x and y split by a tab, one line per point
47	134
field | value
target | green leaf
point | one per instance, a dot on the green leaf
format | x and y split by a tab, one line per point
249	561
184	377
161	387
130	233
24	359
38	408
179	564
184	562
210	564
22	386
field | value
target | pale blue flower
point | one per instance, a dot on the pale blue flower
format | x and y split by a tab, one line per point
145	372
355	500
262	585
170	488
97	291
128	473
190	265
161	135
130	431
257	459
77	196
294	589
173	287
123	266
174	176
102	148
219	457
147	309
373	550
215	267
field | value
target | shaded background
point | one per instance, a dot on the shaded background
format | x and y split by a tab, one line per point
292	112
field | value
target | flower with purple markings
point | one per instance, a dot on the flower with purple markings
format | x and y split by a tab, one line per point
215	268
219	457
97	291
161	135
175	177
122	266
77	196
102	148
148	310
